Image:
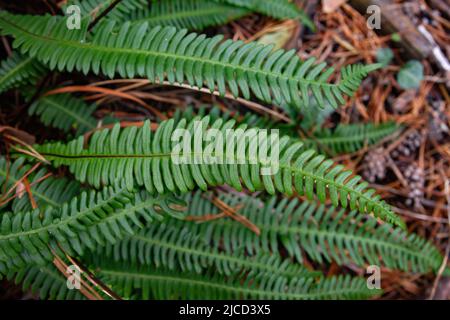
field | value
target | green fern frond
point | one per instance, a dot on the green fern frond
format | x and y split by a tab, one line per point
146	159
90	219
169	54
136	282
176	248
18	70
45	280
347	138
324	234
279	9
64	112
189	14
48	192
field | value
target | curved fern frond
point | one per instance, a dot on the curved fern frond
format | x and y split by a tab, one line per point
324	234
144	159
132	281
189	14
64	112
47	281
48	192
176	248
174	55
90	219
18	70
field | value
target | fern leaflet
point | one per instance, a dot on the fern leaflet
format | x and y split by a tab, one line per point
17	70
64	112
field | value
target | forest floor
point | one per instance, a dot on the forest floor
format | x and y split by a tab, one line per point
411	171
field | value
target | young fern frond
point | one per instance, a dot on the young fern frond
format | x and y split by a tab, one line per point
165	53
93	218
18	70
45	280
324	234
64	112
189	14
146	159
137	282
176	248
50	191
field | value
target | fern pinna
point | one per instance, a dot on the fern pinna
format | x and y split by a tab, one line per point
165	53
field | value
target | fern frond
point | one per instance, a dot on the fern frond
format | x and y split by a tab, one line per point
136	282
279	9
45	280
324	234
176	248
18	70
348	138
189	14
169	54
48	192
90	219
144	159
64	112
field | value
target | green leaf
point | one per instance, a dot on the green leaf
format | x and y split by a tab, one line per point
384	55
410	75
162	54
144	158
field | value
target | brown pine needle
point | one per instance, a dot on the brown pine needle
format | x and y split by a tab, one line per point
108	92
